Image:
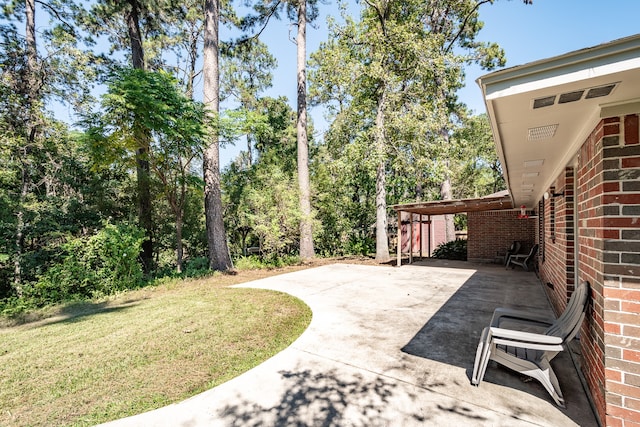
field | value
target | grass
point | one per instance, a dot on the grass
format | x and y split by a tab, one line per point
93	362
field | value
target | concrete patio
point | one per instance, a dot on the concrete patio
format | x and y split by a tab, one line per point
388	346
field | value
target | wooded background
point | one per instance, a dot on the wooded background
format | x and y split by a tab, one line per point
134	190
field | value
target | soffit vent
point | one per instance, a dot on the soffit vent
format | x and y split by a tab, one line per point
594	92
542	132
544	102
533	163
597	92
570	97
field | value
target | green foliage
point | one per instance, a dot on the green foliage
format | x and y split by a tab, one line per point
197	267
345	201
456	250
102	264
140	101
273	210
257	263
477	171
261	198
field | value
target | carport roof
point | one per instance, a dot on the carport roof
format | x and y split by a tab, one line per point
496	201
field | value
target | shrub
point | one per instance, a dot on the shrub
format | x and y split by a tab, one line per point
197	267
455	249
102	264
274	261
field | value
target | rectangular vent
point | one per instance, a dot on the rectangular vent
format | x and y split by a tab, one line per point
570	97
542	132
597	92
533	163
544	102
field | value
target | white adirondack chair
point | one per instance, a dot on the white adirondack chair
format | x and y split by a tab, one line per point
522	259
531	353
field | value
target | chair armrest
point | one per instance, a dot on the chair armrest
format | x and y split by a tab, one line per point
501	313
526	339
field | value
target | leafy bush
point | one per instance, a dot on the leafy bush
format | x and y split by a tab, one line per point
102	264
197	267
456	249
360	245
249	263
255	263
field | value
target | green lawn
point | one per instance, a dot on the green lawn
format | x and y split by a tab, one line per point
91	363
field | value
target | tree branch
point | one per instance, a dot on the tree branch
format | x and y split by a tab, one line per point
381	16
57	14
268	17
464	23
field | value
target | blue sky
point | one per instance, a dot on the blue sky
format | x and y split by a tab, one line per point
526	32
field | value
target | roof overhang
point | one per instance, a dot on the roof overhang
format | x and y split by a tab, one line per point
496	201
542	112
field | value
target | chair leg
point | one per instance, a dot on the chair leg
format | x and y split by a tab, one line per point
548	379
483	353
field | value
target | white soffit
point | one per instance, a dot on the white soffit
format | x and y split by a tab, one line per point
541	112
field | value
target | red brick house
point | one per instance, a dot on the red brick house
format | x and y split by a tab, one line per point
567	133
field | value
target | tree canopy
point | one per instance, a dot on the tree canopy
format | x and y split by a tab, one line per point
139	174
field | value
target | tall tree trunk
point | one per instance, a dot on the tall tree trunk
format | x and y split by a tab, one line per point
445	194
179	247
31	130
382	241
143	176
132	17
306	232
17	262
445	189
219	258
32	52
193	58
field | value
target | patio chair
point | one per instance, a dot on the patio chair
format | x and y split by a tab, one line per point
513	249
522	259
531	353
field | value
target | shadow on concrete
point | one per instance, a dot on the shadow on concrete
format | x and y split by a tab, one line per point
451	335
319	399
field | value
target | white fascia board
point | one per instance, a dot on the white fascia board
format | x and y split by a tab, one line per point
616	56
515	88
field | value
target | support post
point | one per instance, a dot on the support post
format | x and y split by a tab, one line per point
399	238
421	237
410	237
430	226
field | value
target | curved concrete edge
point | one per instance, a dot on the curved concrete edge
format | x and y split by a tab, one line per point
373	356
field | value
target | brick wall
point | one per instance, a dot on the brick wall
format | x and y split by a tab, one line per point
557	268
620	213
607	225
492	232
